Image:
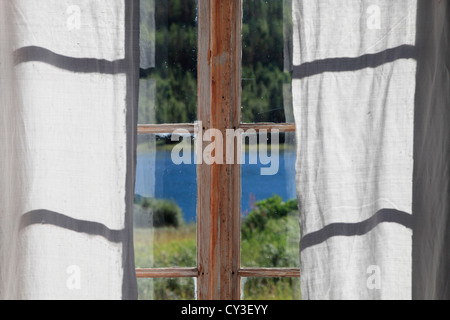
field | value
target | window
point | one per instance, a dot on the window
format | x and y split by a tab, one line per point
205	49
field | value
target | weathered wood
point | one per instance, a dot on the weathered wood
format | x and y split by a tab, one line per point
221	98
167	273
190	127
203	171
281	127
236	51
269	273
165	128
194	272
219	184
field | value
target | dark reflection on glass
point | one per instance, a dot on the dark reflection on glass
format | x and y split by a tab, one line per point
266	61
168	86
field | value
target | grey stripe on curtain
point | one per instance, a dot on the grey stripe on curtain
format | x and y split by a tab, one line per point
68	90
371	94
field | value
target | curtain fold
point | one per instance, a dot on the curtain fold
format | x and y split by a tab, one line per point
371	104
431	191
69	90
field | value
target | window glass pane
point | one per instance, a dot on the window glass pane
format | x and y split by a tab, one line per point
266	61
168	85
165	205
270	230
167	289
270	289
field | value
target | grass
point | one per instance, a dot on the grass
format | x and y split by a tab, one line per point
165	247
271	289
270	239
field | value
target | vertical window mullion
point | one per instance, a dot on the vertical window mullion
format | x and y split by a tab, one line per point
203	172
219	64
236	121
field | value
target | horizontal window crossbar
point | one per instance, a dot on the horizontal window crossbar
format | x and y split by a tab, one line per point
170	128
269	273
193	273
167	273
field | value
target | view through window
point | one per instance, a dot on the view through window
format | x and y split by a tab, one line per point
166	200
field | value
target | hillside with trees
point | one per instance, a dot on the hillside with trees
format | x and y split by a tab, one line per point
175	72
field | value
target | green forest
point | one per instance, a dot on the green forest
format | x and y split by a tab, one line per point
174	75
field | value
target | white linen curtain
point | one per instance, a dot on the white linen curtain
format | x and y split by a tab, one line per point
371	102
68	113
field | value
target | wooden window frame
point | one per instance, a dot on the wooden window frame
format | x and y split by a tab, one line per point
218	270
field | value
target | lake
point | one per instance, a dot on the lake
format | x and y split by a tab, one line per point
158	177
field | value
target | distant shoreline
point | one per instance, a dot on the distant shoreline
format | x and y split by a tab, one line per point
146	148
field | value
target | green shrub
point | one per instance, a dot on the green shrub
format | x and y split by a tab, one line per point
266	210
270	238
150	212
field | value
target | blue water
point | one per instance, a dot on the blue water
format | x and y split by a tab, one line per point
157	176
